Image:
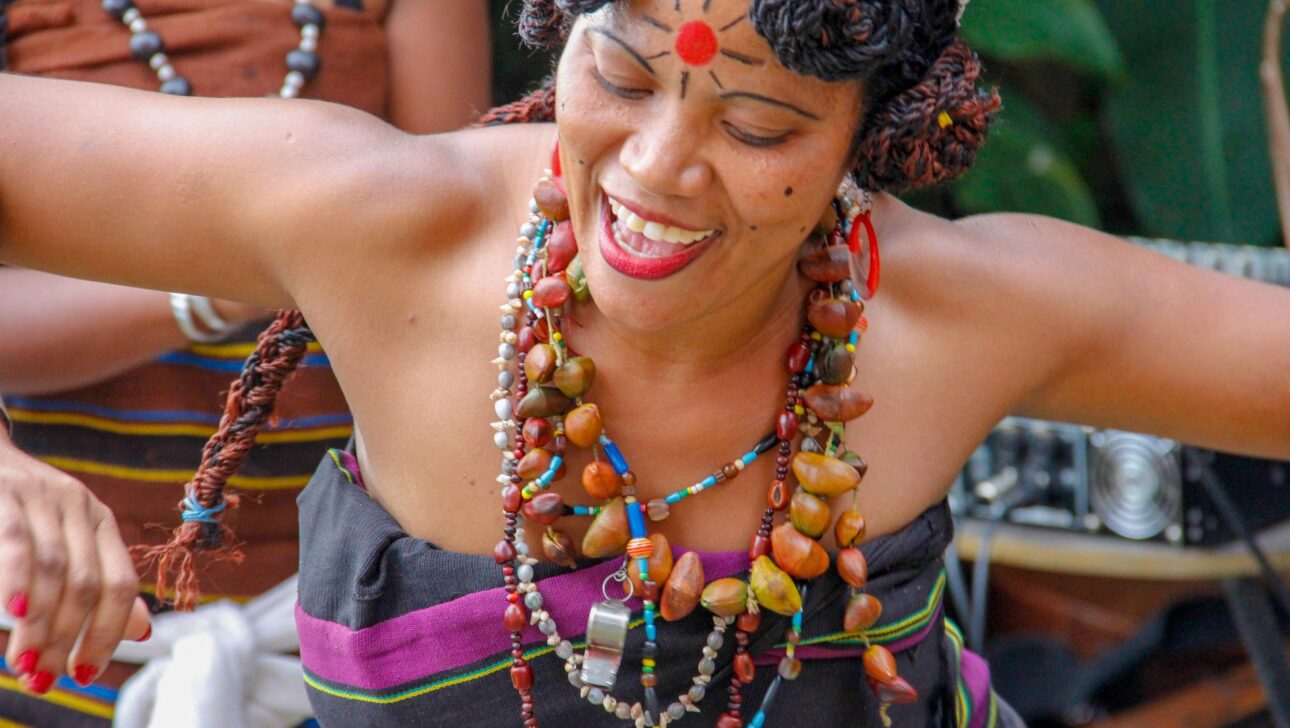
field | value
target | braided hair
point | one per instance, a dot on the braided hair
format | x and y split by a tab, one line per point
924	120
924	117
249	406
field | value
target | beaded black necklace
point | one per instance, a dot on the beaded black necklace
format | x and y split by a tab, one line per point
147	46
546	413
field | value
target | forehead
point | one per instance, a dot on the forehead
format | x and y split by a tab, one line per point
695	44
694	32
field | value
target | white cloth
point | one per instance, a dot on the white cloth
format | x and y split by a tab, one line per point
220	666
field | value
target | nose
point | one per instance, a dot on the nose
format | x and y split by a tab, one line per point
666	157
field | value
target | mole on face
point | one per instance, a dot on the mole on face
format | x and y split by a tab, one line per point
788	191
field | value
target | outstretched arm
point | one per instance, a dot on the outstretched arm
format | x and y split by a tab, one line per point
1130	339
233	198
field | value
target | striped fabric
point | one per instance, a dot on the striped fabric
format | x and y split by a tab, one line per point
136	439
142	434
395	631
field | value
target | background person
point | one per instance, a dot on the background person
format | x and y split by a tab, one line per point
101	380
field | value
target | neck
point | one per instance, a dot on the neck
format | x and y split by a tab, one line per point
729	343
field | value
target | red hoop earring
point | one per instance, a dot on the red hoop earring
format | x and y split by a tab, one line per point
870	277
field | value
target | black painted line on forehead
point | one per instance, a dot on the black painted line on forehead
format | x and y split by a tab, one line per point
733	23
651	20
685	82
706	4
631	51
772	102
716	80
746	60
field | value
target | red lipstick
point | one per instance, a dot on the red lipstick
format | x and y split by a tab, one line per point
636	266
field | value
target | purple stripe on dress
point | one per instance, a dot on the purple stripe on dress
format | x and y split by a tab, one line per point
447	636
816	652
350	462
976	677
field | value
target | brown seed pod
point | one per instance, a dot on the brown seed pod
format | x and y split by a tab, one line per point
725	597
608	534
797	553
600	480
558	547
849	530
583	425
809	514
853	568
683	588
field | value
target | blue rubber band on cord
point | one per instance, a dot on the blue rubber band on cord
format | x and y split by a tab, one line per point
194	512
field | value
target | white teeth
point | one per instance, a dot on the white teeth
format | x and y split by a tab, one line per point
653	230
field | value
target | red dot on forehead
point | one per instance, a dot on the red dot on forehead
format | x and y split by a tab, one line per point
696	44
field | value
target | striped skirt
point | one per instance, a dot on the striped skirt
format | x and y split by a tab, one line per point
397	632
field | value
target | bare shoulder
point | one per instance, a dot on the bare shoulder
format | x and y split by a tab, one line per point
1014	300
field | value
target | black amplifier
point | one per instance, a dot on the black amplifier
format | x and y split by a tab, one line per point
1131	485
1105	481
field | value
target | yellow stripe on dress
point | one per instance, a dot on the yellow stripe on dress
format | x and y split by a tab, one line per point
172	477
102	424
239	351
62	698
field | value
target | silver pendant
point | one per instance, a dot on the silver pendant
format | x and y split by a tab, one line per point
607	625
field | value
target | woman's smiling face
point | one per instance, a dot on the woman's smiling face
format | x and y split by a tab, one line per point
696	164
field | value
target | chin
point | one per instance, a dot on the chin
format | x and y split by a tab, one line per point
636	305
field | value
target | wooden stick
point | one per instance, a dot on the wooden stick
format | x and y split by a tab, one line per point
1274	99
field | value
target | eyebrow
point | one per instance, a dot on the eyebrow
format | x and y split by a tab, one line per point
772	102
630	51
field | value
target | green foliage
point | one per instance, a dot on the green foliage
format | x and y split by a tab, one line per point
1189	124
1067	31
1023	169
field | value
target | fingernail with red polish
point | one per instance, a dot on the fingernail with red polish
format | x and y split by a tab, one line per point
146	635
41	682
17	605
84	674
26	661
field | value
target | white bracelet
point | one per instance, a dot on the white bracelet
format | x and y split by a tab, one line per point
181	307
4	415
205	310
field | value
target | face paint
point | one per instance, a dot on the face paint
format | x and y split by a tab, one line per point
698	45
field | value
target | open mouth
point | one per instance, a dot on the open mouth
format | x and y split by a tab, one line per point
648	249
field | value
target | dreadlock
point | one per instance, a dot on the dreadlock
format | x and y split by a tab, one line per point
250	403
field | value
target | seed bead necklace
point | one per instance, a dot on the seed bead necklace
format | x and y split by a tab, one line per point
546	412
146	45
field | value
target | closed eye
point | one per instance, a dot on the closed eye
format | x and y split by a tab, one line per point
620	91
754	140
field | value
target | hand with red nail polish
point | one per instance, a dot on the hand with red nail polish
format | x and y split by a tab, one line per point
26	661
84	674
40	682
64	573
17	605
